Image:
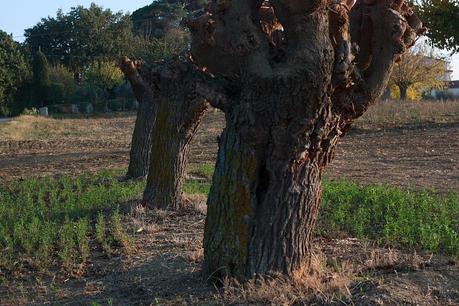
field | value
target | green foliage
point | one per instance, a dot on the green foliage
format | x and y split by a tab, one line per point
63	86
82	36
442	20
156	19
42	218
119	233
101	235
158	30
14	71
391	216
196	187
41	80
104	75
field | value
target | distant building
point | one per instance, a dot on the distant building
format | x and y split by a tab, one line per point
450	92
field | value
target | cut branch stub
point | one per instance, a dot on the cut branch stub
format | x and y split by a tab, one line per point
227	38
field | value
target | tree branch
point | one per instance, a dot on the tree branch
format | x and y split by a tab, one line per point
383	30
213	91
228	40
141	88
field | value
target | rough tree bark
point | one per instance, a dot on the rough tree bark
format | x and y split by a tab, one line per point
292	98
139	157
175	93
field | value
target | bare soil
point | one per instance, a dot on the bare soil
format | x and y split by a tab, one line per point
165	270
413	156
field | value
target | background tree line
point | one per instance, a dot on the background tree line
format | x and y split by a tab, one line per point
86	41
74	56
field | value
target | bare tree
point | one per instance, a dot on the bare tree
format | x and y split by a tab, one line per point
419	69
289	94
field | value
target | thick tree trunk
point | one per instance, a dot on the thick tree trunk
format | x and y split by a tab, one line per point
139	157
170	115
170	149
287	103
266	189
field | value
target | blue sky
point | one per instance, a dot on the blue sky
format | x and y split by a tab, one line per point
17	15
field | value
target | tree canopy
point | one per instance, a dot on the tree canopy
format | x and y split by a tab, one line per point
154	20
13	69
442	20
419	70
82	36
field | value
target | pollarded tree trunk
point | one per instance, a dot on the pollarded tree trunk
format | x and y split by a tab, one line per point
139	157
175	128
175	101
265	196
294	98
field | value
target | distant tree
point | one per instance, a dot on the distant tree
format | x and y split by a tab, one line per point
419	70
156	19
442	20
63	82
82	36
41	79
13	70
105	76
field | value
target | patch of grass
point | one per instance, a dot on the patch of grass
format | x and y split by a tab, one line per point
102	236
423	220
73	127
202	170
316	283
197	187
119	233
42	218
389	215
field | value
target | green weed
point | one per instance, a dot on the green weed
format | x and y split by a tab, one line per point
119	233
101	235
41	219
423	220
197	187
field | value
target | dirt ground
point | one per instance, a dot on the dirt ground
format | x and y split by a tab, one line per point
166	271
417	156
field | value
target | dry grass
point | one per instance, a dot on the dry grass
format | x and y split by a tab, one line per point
140	217
391	259
399	113
319	281
46	128
383	114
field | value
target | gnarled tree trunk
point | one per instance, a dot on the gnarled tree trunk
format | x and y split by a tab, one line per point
174	107
139	156
292	98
